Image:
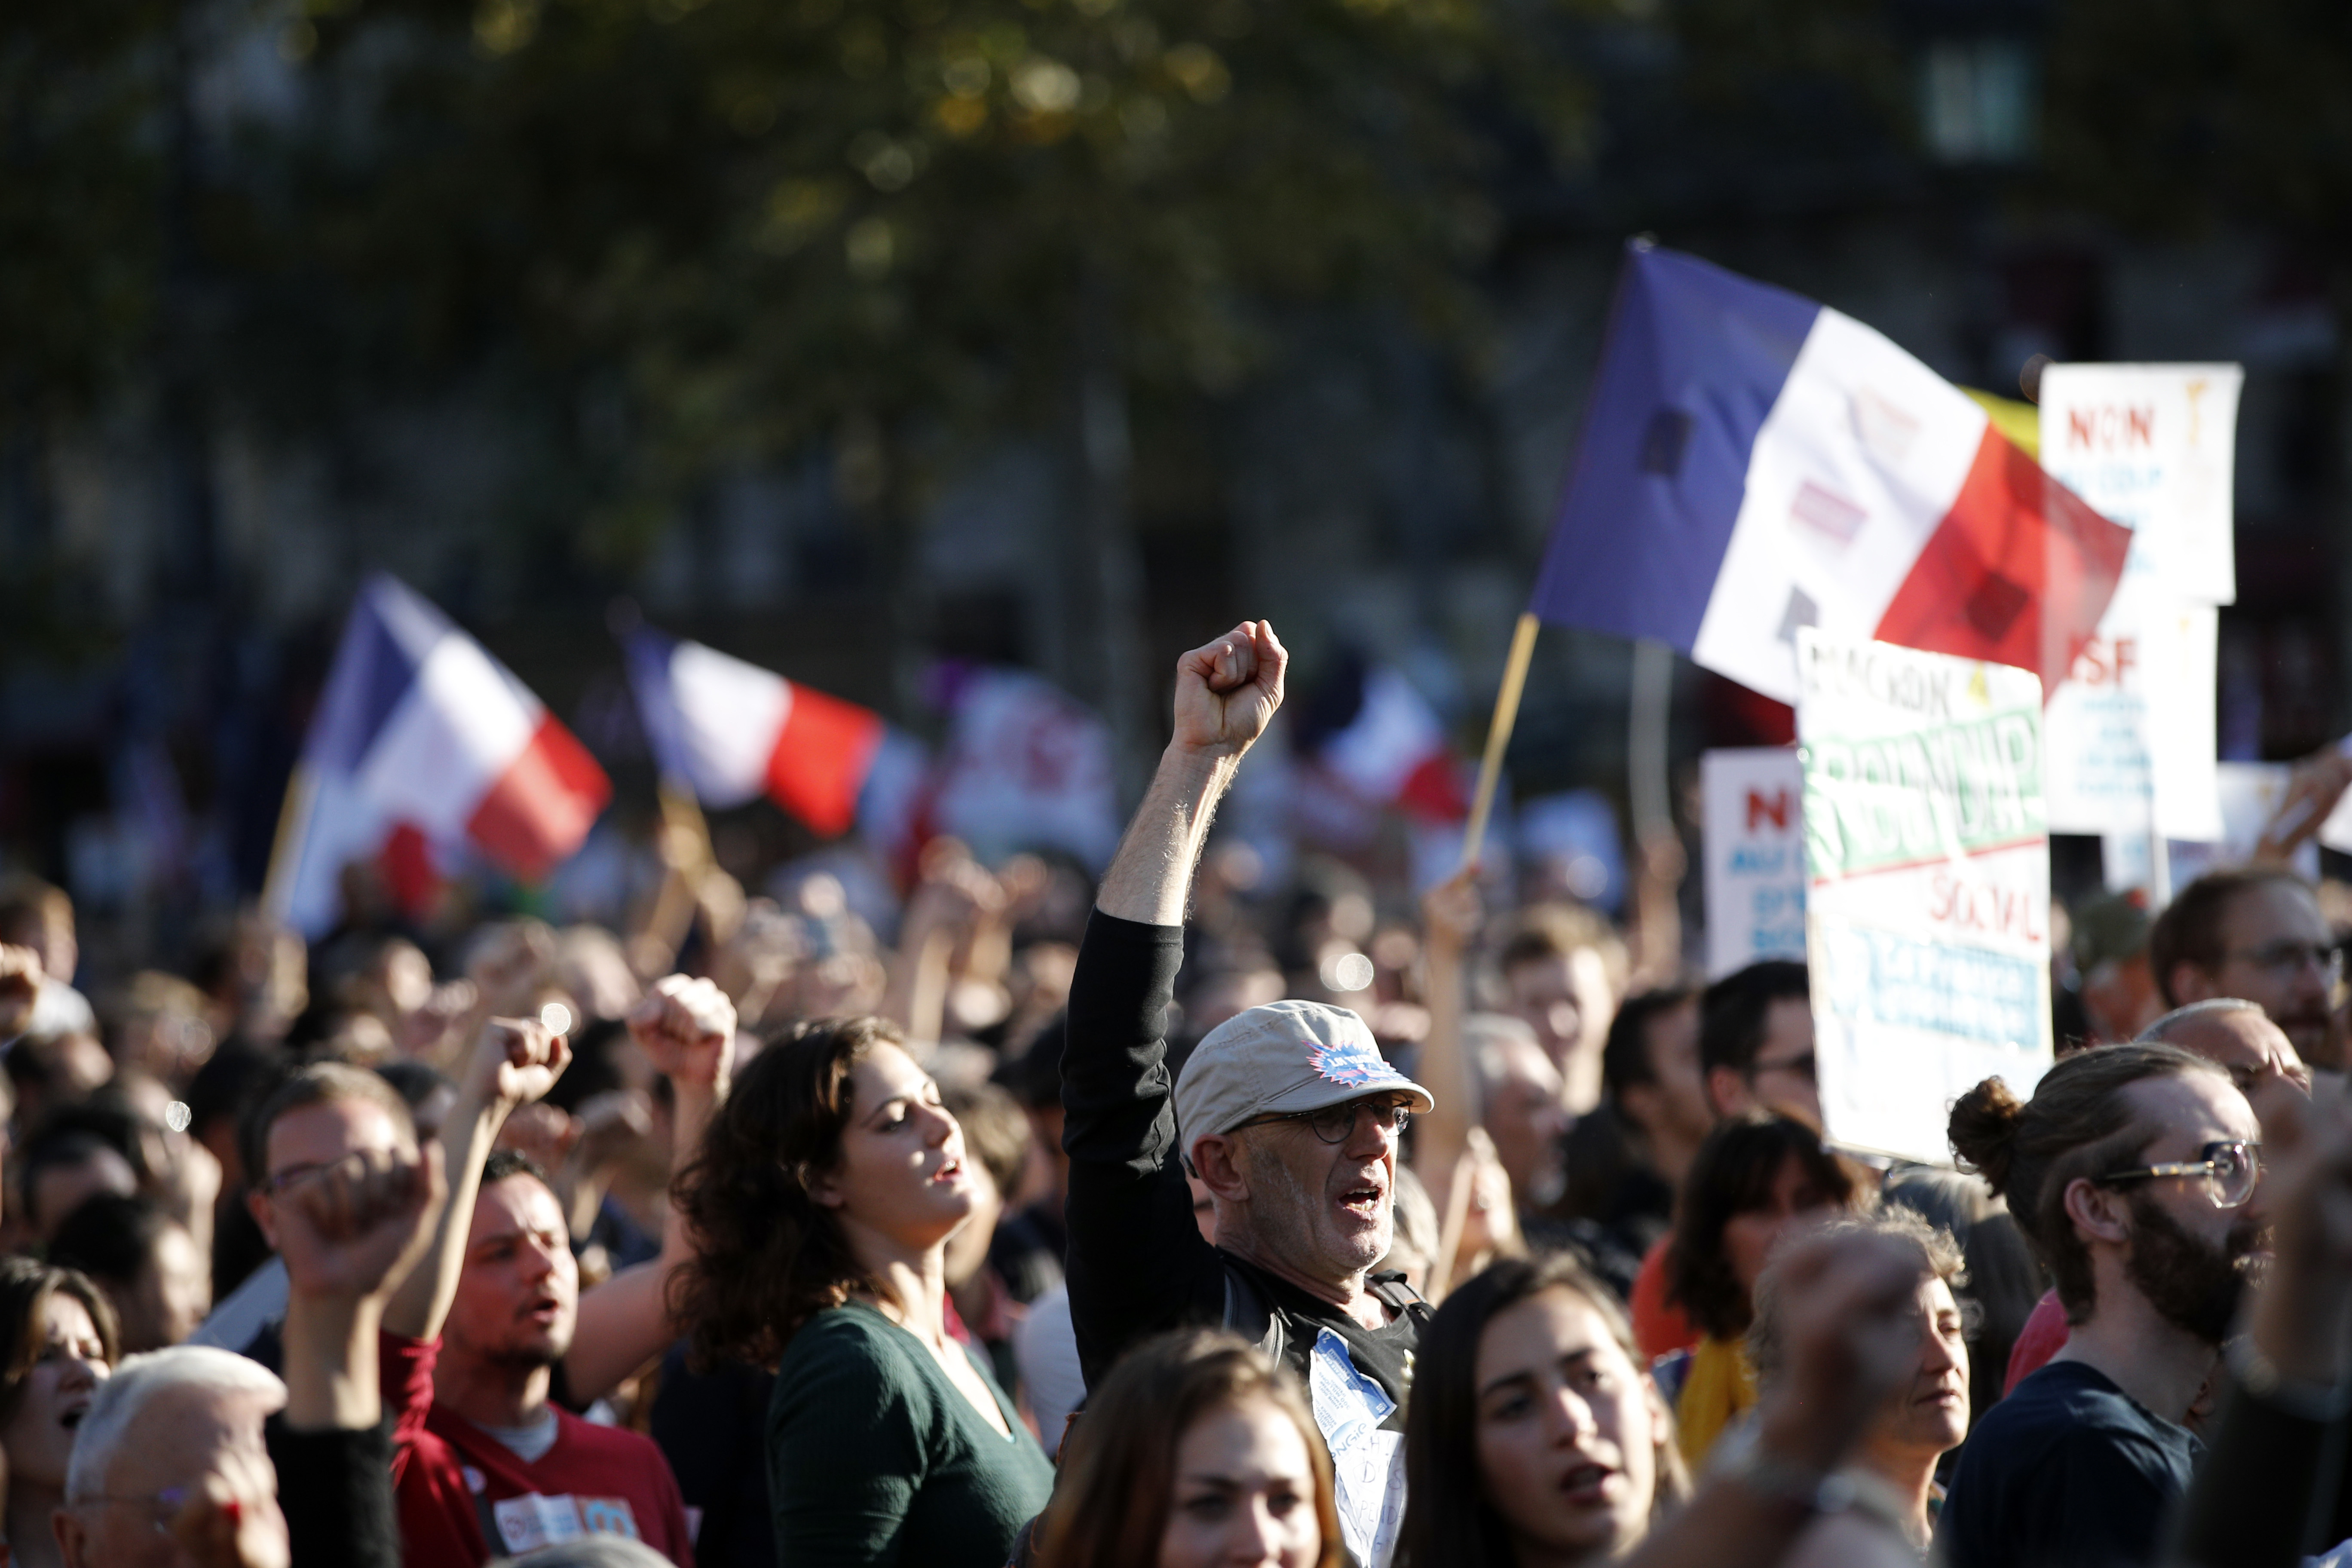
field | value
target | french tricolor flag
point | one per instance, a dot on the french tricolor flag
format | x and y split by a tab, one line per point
423	739
1753	462
734	731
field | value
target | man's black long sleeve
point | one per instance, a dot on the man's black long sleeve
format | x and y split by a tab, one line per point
1136	1264
335	1489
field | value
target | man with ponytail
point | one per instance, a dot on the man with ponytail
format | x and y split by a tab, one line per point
2131	1172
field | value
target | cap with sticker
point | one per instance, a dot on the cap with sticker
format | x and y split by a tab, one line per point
1284	1056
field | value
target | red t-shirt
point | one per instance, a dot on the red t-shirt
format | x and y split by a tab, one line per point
452	1479
2045	1333
1660	1327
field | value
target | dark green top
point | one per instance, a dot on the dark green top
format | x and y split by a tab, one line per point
874	1458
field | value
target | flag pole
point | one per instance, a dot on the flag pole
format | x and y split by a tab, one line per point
286	844
1498	733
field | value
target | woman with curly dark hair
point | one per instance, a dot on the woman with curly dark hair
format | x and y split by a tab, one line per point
1534	1437
1197	1450
1753	1177
822	1198
57	1345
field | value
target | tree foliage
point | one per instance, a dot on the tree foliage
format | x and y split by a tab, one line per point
710	233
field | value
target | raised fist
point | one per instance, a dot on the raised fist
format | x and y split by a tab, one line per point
351	1228
20	987
510	961
1228	690
231	1518
517	1061
687	1029
1452	911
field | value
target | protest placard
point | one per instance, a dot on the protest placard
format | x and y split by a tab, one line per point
2251	793
2131	731
1752	819
1928	908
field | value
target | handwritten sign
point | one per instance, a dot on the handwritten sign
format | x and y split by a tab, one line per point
1927	913
1753	843
2131	729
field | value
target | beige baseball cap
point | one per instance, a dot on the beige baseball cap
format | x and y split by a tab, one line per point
1284	1055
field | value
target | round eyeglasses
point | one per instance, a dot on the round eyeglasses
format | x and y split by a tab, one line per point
1335	1123
2229	1171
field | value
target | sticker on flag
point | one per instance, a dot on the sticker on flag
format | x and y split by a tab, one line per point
1753	464
1927	918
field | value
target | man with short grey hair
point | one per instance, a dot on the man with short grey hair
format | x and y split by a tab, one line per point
1287	1112
198	1413
2238	1036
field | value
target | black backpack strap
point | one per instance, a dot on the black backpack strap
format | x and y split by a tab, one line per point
1249	1314
1396	1292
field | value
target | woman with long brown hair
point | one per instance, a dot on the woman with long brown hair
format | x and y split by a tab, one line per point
822	1198
57	1338
1754	1177
1533	1436
1197	1450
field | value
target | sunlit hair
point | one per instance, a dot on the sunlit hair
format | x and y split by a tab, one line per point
2079	1123
115	1410
1448	1523
770	1256
1939	1256
26	1287
1733	1173
1118	1483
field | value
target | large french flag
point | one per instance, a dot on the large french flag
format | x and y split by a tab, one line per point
734	731
1753	462
421	737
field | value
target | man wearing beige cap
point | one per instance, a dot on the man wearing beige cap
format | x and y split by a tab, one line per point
1287	1112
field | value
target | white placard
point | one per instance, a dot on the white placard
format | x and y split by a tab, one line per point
1753	842
1928	915
2251	793
2131	731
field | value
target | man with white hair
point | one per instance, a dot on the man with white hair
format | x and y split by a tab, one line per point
1287	1112
2236	1036
197	1414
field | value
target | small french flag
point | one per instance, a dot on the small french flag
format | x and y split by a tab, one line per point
1753	462
734	731
420	733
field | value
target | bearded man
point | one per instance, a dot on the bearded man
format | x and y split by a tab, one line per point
2132	1172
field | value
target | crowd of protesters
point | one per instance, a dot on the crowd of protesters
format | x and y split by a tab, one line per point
1168	1218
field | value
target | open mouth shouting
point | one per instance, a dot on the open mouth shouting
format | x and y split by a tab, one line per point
1365	1198
1587	1483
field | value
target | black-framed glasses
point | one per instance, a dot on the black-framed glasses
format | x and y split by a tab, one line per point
2229	1169
1807	1067
1335	1123
2290	956
355	1165
162	1507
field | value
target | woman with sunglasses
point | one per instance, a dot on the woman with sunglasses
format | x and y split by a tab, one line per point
2134	1172
824	1195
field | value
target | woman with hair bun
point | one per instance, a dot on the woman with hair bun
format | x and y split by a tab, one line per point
1197	1451
822	1197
